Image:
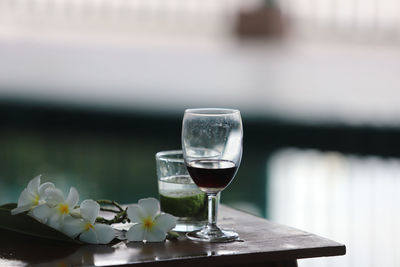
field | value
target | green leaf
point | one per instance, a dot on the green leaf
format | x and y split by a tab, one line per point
171	235
24	224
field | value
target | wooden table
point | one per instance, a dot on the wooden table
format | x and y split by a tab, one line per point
264	244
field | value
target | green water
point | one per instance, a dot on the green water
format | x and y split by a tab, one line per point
104	156
185	206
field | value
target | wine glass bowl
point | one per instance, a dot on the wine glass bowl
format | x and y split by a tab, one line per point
212	150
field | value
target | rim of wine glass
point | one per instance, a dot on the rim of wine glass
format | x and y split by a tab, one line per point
211	111
166	155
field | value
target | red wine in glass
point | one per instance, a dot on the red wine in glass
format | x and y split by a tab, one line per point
212	140
211	175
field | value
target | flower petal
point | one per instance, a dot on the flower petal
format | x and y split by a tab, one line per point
165	222
89	236
135	233
55	219
135	214
72	226
54	196
41	213
150	207
156	234
33	185
89	210
105	234
73	197
20	209
26	198
43	187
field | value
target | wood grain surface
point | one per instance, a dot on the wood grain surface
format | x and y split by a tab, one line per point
262	244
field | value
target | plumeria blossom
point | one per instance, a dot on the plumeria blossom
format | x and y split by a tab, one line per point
90	232
151	226
48	205
32	196
57	207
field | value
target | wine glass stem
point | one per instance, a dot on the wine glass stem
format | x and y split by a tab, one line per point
212	211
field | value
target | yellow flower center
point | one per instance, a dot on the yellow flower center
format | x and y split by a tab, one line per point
36	200
63	208
89	226
148	223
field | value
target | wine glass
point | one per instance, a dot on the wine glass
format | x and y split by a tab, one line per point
212	150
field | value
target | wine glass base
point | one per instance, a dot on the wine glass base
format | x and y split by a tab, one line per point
214	236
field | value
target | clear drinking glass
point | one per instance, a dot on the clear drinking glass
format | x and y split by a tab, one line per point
212	150
178	194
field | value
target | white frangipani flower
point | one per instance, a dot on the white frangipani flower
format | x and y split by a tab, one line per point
57	207
32	196
90	232
150	225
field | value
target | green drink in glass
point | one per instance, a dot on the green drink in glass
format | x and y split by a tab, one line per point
179	195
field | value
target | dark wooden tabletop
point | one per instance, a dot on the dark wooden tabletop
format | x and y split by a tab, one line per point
264	244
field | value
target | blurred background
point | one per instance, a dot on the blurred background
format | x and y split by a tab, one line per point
90	90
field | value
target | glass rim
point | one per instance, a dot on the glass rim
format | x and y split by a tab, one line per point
211	111
166	155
